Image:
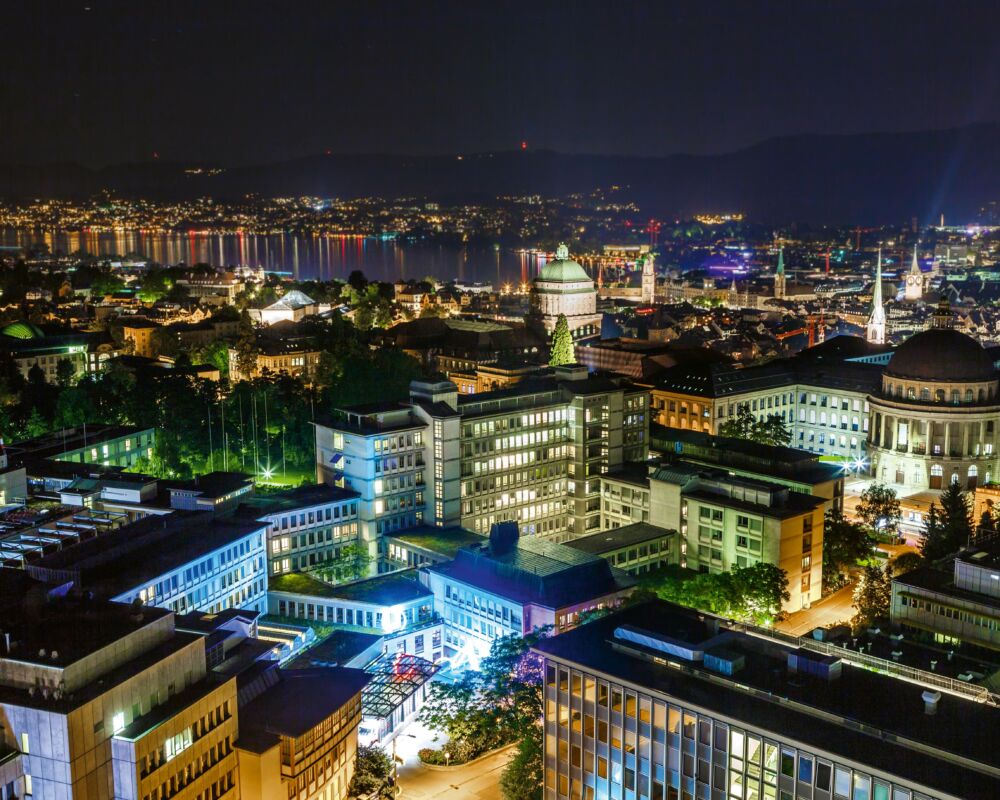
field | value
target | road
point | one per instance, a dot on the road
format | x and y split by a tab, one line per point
480	780
837	607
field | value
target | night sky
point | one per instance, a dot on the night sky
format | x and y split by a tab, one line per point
249	82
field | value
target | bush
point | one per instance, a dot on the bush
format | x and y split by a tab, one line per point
431	756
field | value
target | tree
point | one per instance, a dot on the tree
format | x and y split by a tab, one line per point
872	596
762	588
753	594
949	529
373	771
562	351
770	431
741	426
906	562
496	704
65	372
879	509
246	346
155	286
845	543
522	778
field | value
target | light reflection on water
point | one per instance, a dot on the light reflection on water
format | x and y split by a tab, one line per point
306	257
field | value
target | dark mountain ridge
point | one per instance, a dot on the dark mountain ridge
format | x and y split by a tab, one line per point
862	178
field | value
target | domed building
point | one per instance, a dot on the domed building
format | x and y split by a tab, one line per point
936	417
563	287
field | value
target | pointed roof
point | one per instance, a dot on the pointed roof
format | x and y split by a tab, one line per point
780	269
915	266
877	316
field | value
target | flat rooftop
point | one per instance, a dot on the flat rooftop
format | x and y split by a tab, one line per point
617	538
136	554
396	587
292	499
336	649
65	626
443	541
55	444
865	716
297	703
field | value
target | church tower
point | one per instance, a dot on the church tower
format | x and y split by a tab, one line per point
914	280
648	280
876	321
779	276
733	298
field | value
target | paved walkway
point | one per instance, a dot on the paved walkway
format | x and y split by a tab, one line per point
480	781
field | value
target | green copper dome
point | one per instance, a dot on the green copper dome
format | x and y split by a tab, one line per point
563	269
22	330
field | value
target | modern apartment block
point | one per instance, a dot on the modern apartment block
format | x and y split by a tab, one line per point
533	453
666	703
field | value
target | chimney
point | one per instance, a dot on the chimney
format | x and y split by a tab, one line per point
931	700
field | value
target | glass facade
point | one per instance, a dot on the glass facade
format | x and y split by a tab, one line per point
608	740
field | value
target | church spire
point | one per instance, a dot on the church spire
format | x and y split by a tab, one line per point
779	276
876	321
915	264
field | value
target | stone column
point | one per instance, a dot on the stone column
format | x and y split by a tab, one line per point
965	438
947	440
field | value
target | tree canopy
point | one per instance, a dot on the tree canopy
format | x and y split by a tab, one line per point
753	594
879	509
845	544
770	431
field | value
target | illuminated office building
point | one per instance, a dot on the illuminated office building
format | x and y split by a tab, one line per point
668	703
533	453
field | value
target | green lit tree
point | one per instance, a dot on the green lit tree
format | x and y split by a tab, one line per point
562	351
740	426
522	778
770	431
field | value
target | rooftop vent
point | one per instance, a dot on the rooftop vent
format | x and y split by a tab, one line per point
808	662
503	537
931	700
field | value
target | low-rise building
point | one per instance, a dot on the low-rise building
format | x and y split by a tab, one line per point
384	604
298	738
635	548
306	526
954	605
183	561
512	585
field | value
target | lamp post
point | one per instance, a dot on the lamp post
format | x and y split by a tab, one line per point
396	761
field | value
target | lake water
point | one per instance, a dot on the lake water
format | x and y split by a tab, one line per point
305	257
